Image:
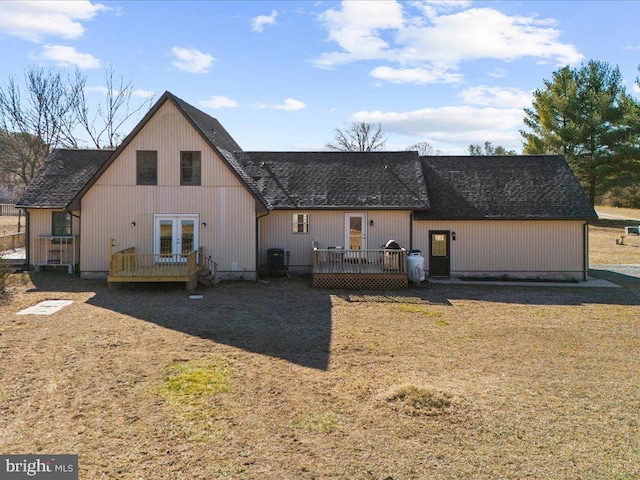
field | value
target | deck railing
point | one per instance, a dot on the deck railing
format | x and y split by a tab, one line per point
370	261
12	241
129	263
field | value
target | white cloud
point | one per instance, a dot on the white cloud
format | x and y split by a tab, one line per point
219	101
289	104
356	28
69	56
498	73
456	125
497	97
139	93
261	21
191	60
435	37
415	75
35	20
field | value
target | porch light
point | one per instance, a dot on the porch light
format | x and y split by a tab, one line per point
204	224
453	235
371	223
133	224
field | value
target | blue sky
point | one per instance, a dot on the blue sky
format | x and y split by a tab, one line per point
284	75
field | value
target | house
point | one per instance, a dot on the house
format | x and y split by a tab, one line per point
179	183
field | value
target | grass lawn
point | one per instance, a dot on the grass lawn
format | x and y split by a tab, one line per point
281	381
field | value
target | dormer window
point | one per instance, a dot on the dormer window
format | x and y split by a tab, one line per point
190	168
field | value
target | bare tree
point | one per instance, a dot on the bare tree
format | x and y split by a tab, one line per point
104	126
360	137
34	119
424	149
50	110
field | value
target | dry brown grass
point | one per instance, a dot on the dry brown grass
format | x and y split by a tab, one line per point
282	381
603	234
619	212
9	225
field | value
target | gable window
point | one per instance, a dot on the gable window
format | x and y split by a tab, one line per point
146	167
300	223
189	168
60	224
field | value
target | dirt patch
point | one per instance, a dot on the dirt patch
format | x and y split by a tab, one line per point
277	381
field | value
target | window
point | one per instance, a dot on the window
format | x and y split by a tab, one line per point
189	168
147	167
300	223
60	224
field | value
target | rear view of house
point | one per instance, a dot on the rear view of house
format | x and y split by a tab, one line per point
180	189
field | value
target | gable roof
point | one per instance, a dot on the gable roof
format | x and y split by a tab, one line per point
208	127
62	175
390	180
503	187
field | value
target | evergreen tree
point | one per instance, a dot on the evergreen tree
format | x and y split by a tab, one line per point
587	115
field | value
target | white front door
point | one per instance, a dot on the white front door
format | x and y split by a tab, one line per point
355	231
175	234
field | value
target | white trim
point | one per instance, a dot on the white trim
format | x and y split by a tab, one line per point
347	230
176	231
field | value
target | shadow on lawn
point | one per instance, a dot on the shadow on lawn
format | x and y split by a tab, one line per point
288	319
285	319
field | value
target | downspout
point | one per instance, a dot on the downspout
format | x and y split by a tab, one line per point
27	239
585	246
258	241
410	231
79	243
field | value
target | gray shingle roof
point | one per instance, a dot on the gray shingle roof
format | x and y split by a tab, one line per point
509	187
61	177
338	179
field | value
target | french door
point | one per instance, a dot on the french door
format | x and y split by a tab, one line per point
175	235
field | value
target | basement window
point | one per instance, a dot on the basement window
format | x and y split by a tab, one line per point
300	223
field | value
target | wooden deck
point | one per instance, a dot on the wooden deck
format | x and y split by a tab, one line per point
128	266
360	269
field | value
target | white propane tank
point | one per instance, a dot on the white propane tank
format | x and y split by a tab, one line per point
415	264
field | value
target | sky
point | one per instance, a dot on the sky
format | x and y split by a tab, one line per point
282	76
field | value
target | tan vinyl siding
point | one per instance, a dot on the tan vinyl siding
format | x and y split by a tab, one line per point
222	201
40	227
328	229
506	246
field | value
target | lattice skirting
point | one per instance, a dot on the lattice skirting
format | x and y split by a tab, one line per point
361	281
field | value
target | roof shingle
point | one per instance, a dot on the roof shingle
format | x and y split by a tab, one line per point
503	187
61	177
391	180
